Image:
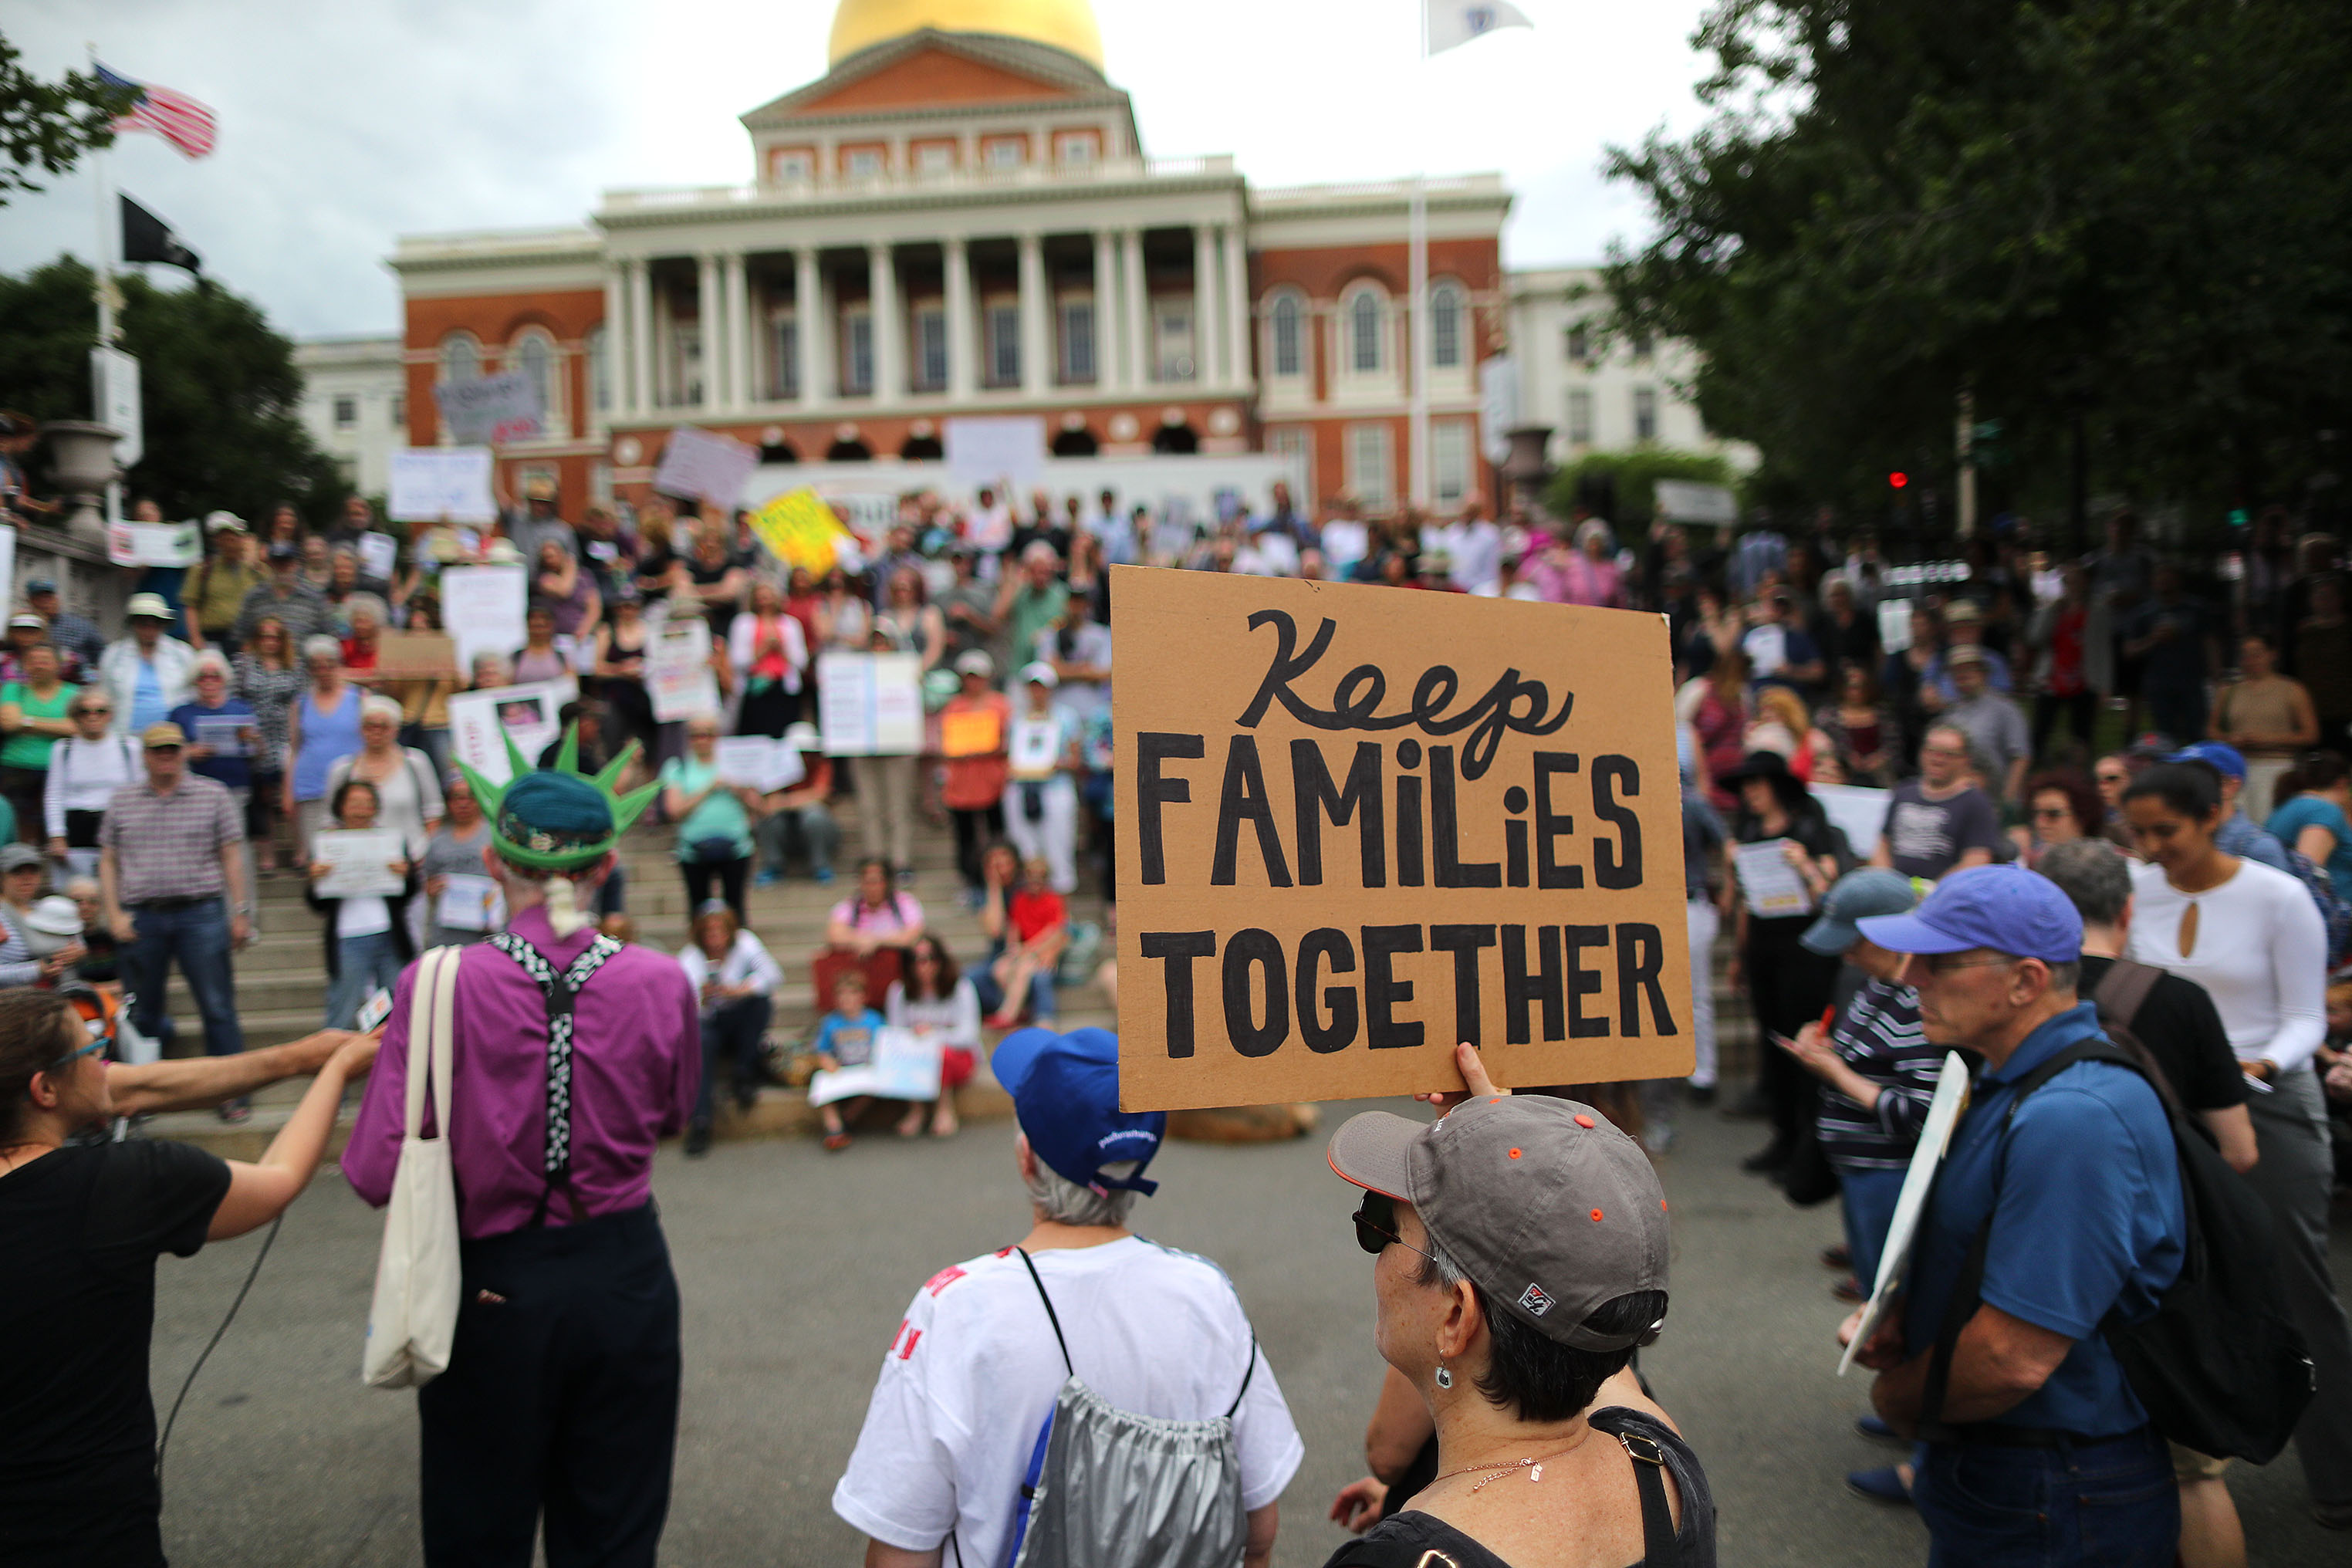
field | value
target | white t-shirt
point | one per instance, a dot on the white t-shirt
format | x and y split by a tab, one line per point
365	916
972	1373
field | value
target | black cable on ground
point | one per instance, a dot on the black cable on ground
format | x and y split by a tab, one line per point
250	1276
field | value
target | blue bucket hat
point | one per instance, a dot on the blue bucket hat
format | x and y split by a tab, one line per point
1065	1091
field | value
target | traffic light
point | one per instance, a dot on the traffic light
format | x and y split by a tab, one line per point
1897	479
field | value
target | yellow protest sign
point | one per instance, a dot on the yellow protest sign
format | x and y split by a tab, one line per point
799	528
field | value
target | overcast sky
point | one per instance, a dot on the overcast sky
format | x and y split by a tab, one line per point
345	124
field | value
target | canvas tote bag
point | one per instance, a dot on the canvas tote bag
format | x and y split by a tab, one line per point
413	1318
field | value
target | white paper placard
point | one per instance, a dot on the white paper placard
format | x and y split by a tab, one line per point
1770	885
998	451
7	565
1859	812
470	903
429	483
224	732
154	543
904	1066
699	463
759	762
379	555
482	606
870	704
1032	753
491	409
529	713
678	677
361	859
1944	1110
1894	625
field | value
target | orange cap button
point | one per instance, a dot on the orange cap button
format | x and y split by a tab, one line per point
1596	1216
1514	1153
1584	1121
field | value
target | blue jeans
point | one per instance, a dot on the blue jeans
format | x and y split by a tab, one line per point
733	1033
2096	1505
363	965
197	935
991	994
1869	1200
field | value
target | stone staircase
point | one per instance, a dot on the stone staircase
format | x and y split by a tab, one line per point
281	981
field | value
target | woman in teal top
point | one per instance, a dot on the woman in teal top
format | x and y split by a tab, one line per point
33	715
2317	819
714	819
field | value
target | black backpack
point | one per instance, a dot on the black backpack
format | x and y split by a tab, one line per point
2219	1366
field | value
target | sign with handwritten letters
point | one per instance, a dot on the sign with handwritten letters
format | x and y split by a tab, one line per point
1358	824
492	409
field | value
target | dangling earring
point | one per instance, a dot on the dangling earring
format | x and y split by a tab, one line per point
1445	1378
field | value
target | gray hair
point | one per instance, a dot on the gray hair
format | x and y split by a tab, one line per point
2092	873
356	605
377	707
321	644
210	658
1057	1198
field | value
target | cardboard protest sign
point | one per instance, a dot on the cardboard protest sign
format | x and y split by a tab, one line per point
415	656
710	468
801	529
1360	824
495	409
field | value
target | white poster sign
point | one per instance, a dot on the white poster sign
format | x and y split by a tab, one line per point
1033	752
7	565
492	409
359	862
1006	449
470	903
429	483
155	544
678	671
758	762
114	377
1769	883
483	608
1687	501
1935	1141
1859	812
531	714
904	1066
1895	625
870	704
379	555
712	467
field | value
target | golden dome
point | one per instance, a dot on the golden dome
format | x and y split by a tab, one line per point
1066	24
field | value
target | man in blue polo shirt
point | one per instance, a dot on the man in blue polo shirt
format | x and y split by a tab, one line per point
2040	1453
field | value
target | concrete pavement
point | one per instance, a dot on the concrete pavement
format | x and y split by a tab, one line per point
797	1266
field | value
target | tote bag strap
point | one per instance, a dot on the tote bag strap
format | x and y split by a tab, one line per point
431	1028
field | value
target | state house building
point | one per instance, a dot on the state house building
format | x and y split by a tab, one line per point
960	218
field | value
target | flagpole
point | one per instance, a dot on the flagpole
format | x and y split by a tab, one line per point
103	272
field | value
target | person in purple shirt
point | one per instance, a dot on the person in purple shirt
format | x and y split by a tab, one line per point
575	1056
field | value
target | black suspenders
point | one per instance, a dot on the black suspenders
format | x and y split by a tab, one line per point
562	992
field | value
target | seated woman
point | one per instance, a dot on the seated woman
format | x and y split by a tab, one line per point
736	979
1030	927
1520	1258
875	916
939	1006
368	942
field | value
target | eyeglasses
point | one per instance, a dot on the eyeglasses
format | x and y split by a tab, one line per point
1376	1227
92	712
2051	813
70	1057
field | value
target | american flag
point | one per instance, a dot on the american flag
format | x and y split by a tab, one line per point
174	116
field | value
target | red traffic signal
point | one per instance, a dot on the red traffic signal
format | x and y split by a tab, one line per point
1897	479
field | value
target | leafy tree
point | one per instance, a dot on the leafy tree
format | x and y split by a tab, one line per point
51	124
2122	224
219	389
1628	481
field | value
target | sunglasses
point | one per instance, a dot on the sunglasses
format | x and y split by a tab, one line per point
1376	1227
72	1056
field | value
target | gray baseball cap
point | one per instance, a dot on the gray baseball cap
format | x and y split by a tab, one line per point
1552	1211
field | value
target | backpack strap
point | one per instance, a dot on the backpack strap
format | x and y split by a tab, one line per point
1248	1372
2124	990
562	992
1650	1479
1054	1317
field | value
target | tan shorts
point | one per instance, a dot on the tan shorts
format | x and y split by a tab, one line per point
2188	1465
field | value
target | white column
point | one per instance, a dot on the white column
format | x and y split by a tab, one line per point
1204	305
710	320
1036	372
809	308
1107	313
882	297
640	336
1237	307
1138	310
964	344
742	332
1417	346
616	347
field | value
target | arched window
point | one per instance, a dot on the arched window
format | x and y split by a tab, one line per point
1367	332
461	358
1286	335
533	354
1445	327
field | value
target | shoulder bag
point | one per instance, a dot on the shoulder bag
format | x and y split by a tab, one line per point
413	1321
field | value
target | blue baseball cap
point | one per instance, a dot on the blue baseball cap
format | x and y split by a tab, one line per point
2228	759
1064	1090
1873	890
2002	909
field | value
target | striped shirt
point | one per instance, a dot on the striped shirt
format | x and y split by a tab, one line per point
1879	1036
168	846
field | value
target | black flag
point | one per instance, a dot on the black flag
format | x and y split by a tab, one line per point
146	237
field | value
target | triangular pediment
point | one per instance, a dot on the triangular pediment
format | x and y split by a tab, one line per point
928	69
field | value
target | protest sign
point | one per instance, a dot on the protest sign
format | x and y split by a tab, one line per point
7	565
415	656
758	762
483	608
710	468
1860	814
870	704
1894	626
429	483
1772	886
222	734
678	671
495	409
1033	753
973	733
1357	826
800	529
531	714
359	862
1951	1099
470	903
1001	450
153	544
379	556
904	1066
